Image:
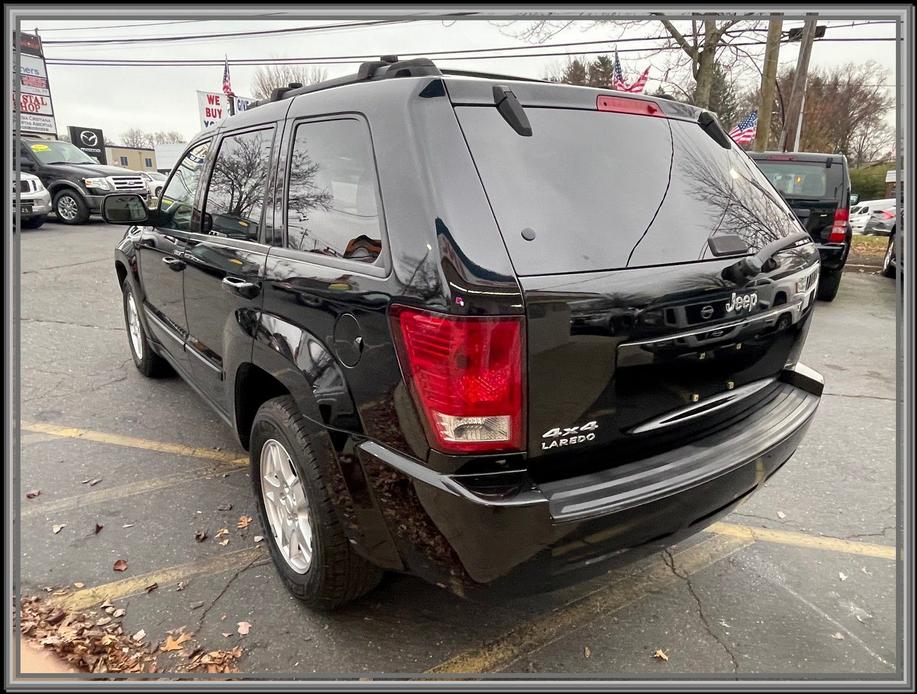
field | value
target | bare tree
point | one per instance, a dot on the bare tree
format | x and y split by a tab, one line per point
172	137
270	77
135	138
700	45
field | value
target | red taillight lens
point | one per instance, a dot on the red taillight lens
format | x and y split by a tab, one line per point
888	215
623	104
839	228
466	376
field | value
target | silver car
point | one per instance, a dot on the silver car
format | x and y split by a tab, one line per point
34	201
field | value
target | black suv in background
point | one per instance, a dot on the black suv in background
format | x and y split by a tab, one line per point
483	330
817	188
77	182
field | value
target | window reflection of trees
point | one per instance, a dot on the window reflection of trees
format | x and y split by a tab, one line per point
235	197
178	198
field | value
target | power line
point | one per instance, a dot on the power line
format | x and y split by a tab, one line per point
443	55
120	26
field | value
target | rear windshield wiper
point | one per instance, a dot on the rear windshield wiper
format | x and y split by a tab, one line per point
509	107
753	265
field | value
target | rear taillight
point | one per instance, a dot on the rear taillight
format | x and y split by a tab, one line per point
466	376
623	104
888	215
839	228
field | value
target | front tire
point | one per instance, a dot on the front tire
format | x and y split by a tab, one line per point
828	284
888	263
307	542
145	359
70	207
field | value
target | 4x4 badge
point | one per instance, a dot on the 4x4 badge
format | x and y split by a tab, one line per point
569	436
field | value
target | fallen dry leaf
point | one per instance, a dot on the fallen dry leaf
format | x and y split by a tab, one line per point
224	507
227	634
31	494
660	654
222	536
781	515
244	628
57	528
120	565
180	586
175	643
139	636
150	588
79	585
195	605
118	613
103	621
244	522
258	538
200	535
842	575
99	527
587	652
128	525
838	636
94	482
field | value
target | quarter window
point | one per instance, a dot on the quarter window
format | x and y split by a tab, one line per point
235	198
333	201
177	204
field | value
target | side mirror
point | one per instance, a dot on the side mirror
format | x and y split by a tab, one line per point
854	198
125	209
26	164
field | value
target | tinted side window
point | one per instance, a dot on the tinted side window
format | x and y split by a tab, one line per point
332	200
238	185
177	203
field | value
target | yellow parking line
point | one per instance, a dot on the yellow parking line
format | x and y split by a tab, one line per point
123	491
135	585
132	442
796	539
545	629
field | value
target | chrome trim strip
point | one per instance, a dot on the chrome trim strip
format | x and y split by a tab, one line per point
158	321
794	306
191	350
712	404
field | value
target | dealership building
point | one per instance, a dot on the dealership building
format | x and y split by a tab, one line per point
133	158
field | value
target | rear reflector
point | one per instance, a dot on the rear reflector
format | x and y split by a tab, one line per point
466	377
623	104
839	228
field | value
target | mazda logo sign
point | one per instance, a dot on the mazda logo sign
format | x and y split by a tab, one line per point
706	312
89	138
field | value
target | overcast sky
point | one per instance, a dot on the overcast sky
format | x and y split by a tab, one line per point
163	98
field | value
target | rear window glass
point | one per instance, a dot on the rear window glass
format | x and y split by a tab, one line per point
796	179
605	190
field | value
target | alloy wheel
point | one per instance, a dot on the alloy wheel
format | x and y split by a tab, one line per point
287	506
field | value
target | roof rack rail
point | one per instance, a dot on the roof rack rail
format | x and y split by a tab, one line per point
387	66
490	75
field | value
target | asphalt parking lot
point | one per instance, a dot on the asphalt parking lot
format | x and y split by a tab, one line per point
801	581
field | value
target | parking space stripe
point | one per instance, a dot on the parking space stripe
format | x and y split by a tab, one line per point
123	491
547	628
133	442
135	585
797	539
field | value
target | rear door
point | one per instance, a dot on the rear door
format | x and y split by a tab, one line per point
160	249
224	263
634	337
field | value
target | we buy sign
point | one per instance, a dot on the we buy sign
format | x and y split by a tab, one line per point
213	106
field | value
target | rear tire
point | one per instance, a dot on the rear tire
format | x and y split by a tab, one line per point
145	359
317	565
888	269
70	207
828	284
34	222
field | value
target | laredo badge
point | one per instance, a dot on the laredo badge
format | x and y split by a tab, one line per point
569	436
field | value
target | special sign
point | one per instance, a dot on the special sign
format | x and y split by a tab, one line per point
36	111
214	106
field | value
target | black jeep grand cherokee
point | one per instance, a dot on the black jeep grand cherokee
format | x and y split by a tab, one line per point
479	329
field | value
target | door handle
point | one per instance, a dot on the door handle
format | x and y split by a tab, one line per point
244	288
174	263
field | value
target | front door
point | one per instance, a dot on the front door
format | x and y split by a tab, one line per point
224	264
160	249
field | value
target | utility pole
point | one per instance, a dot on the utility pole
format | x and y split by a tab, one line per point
768	81
794	111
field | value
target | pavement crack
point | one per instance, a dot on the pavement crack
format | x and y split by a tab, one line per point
236	574
858	396
881	533
670	562
65	322
59	267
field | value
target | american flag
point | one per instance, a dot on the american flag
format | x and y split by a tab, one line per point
619	83
227	87
746	129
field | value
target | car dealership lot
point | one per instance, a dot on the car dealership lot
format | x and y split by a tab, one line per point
800	580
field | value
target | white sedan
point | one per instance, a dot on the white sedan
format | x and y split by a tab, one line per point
154	181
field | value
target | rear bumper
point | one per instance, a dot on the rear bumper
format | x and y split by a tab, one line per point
832	255
558	532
